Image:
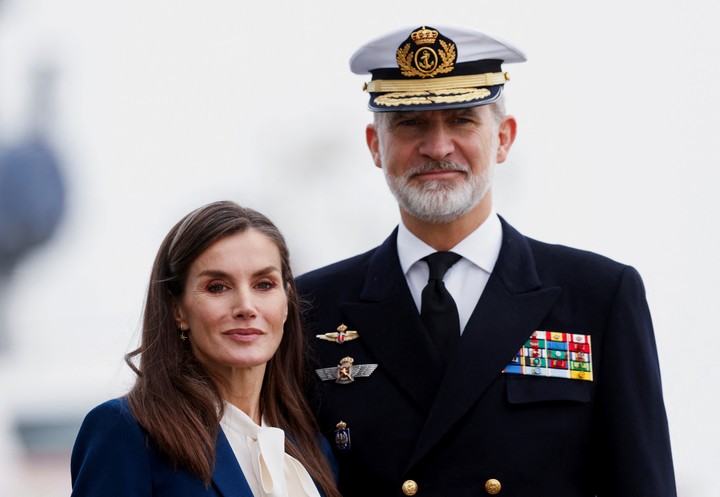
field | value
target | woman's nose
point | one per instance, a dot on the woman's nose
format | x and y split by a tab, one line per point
243	305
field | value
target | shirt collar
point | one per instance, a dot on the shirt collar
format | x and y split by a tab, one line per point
481	247
235	418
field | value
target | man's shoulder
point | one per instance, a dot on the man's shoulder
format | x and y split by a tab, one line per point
558	262
570	265
571	254
544	251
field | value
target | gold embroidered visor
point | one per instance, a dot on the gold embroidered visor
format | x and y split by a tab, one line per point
453	91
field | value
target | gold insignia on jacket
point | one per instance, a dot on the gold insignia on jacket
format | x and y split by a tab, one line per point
342	436
346	371
340	336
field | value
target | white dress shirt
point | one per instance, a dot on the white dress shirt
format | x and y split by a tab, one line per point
467	278
260	450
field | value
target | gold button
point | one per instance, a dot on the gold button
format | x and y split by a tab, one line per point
492	486
409	487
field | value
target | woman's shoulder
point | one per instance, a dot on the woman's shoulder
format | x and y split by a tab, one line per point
110	448
110	424
113	405
112	412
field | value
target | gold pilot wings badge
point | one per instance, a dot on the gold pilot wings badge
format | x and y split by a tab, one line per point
340	336
554	354
346	371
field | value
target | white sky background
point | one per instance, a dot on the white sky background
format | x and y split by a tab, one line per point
163	106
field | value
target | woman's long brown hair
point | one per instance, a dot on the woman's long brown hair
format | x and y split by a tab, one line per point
174	398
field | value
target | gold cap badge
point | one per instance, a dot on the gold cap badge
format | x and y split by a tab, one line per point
426	53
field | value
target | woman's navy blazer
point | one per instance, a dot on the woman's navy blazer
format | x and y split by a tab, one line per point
114	457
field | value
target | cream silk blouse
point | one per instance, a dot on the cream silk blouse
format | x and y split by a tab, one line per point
260	450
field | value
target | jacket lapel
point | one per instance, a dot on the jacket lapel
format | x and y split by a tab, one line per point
512	305
228	478
391	328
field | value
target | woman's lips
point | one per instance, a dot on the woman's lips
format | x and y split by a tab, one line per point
243	334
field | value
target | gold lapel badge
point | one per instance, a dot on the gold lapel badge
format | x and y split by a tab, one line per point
346	371
342	436
340	336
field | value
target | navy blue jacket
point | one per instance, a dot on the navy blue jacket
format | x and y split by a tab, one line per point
113	457
452	432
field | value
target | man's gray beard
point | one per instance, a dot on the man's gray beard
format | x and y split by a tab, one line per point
439	201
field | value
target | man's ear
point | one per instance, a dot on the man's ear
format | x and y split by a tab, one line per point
373	143
507	130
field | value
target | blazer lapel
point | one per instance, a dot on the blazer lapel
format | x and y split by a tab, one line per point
512	305
390	325
228	476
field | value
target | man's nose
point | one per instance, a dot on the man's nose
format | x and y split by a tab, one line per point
437	143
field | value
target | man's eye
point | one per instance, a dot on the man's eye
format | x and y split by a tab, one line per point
404	121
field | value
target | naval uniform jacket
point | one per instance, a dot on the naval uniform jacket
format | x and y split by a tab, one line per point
470	429
114	457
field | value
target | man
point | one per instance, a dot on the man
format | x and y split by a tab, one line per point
538	374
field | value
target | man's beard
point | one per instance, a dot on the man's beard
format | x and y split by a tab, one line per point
439	201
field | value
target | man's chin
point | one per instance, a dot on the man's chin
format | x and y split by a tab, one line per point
437	212
436	218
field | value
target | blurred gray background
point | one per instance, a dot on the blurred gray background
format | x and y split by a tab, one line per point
118	117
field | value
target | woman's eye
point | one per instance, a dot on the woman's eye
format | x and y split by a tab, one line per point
216	287
266	285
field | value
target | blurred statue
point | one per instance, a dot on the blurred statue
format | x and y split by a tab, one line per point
32	191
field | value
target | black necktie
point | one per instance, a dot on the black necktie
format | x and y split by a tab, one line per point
438	310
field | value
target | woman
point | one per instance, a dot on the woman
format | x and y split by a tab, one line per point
220	363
